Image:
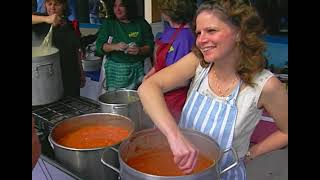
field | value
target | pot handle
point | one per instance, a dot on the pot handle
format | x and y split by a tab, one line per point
50	143
235	156
120	107
109	165
50	68
104	86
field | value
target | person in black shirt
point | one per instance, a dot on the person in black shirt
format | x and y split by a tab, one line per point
67	40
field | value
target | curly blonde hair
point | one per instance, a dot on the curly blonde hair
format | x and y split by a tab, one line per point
251	45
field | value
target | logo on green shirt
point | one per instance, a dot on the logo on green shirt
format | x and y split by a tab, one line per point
133	34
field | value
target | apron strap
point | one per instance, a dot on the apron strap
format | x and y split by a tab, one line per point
202	76
163	49
232	98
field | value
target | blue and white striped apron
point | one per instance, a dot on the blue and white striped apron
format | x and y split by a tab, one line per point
215	118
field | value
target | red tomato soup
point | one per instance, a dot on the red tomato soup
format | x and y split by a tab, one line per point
94	136
160	162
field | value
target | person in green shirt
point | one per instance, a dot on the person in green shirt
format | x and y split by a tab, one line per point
127	40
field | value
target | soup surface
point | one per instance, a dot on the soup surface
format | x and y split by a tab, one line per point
94	136
160	162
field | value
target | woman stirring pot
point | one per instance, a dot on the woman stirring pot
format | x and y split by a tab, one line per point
229	91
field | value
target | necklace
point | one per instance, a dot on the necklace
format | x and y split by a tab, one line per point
222	92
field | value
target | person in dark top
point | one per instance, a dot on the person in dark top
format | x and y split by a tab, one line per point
67	40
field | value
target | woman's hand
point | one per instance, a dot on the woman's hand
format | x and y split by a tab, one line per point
121	46
185	154
53	19
133	50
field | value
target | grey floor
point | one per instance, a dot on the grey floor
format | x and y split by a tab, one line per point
271	166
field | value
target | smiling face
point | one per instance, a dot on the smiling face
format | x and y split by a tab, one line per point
54	7
119	10
215	36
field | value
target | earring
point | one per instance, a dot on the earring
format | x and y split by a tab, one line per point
238	39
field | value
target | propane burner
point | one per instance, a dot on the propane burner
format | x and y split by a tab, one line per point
47	116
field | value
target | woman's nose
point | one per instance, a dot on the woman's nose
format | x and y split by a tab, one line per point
202	38
51	7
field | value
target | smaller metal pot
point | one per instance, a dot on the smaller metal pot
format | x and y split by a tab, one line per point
91	63
127	103
86	162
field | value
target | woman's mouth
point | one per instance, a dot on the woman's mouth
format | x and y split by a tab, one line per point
206	49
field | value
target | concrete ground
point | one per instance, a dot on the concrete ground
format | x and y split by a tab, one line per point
271	166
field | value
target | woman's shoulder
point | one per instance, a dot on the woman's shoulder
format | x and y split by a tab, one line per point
139	18
259	81
261	77
199	69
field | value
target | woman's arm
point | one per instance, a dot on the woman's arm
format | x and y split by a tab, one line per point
274	99
143	50
121	46
151	95
52	19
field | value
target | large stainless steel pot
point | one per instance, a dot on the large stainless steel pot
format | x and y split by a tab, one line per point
86	162
153	138
47	84
127	103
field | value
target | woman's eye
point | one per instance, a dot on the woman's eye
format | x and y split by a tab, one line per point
211	30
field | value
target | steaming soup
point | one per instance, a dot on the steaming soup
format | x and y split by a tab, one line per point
94	136
160	162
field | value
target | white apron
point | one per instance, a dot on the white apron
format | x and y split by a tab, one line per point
215	118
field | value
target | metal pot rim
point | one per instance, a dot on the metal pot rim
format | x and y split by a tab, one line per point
92	58
53	51
117	104
52	141
214	165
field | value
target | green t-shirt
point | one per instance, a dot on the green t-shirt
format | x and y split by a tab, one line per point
138	31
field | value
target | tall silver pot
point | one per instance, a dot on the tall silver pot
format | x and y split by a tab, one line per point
127	103
153	138
47	84
86	162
